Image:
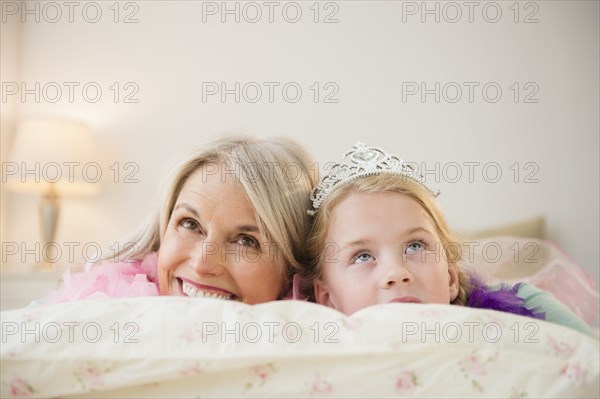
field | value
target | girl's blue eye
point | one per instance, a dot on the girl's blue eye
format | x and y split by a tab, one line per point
362	258
414	247
249	241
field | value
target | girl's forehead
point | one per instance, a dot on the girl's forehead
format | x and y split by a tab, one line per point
366	197
388	207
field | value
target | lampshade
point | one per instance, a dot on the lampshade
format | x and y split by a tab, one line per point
52	158
53	155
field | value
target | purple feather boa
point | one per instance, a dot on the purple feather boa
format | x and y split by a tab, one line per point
504	300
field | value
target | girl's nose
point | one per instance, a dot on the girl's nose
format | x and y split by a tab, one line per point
395	273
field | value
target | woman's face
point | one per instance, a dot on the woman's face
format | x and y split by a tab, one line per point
212	246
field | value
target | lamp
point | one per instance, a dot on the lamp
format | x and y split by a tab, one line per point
47	158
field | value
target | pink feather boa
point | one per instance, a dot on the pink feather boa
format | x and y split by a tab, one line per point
108	280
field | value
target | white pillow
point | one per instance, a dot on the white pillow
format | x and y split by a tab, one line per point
190	347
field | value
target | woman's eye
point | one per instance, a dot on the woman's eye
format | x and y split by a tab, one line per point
189	224
249	241
414	247
362	258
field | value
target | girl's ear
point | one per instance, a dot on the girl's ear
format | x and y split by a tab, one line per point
453	281
322	295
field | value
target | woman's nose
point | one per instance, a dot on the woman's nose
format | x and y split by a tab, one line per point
207	259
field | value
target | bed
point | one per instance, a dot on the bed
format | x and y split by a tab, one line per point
185	347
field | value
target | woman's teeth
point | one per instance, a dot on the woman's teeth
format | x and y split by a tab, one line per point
192	291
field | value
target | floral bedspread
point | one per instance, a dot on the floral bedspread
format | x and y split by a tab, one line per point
190	347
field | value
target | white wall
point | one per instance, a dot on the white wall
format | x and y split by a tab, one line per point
9	49
372	52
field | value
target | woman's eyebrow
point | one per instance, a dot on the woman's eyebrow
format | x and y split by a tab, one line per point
244	227
188	208
248	228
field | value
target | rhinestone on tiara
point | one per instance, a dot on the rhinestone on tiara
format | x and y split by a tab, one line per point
363	161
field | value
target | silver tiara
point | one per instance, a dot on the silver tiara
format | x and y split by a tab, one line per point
363	161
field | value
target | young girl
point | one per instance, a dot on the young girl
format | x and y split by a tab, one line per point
231	225
379	236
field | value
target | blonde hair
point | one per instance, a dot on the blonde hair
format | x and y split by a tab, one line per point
385	182
278	189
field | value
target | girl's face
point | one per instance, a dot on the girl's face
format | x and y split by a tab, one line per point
383	247
212	246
